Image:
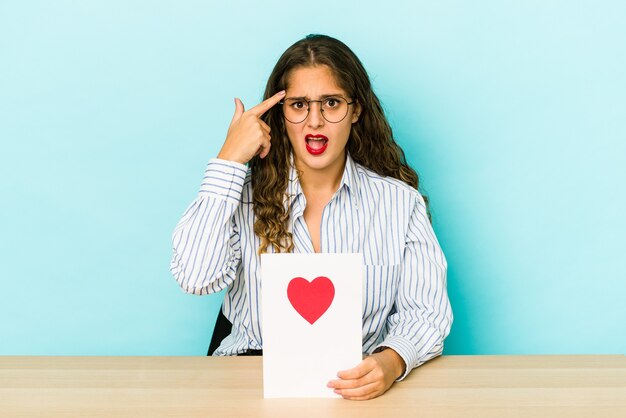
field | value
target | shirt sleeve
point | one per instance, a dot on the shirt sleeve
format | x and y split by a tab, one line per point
422	315
206	247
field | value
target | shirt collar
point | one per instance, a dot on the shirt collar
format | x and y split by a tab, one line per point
351	180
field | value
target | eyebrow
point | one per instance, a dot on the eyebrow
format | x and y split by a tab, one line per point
324	96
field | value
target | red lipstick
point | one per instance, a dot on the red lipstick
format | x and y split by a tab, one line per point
316	144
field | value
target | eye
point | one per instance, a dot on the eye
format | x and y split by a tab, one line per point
298	105
332	102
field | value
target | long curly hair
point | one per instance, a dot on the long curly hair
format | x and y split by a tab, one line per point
370	143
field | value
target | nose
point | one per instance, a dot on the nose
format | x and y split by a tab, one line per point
315	118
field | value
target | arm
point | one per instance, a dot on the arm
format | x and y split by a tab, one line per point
206	243
420	321
206	248
423	316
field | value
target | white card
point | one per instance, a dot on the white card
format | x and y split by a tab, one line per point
311	321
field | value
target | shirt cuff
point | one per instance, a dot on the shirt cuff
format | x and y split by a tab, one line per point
224	179
405	349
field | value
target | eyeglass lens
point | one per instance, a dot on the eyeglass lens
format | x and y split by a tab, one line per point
334	109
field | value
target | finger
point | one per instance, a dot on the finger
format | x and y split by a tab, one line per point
265	149
363	368
267	104
351	383
374	375
263	144
364	392
239	109
265	126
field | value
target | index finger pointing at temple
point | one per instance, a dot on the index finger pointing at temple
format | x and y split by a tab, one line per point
267	104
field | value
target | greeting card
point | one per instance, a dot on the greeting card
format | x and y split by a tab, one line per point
311	319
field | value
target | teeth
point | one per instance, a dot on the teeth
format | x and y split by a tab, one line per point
316	143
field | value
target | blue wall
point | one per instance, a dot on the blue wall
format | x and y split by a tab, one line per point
512	114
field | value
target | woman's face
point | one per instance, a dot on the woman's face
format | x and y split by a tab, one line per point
324	156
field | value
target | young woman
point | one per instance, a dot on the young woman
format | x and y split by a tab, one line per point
323	174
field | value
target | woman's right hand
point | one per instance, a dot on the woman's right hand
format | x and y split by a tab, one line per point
247	134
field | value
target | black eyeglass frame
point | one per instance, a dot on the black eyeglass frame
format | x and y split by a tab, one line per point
308	109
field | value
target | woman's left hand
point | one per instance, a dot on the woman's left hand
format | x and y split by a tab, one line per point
371	378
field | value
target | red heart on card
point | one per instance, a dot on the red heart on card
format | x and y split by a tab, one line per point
311	299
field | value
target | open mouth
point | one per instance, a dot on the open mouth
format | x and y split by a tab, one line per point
316	144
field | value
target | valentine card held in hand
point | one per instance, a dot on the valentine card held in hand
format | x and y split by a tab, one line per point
311	318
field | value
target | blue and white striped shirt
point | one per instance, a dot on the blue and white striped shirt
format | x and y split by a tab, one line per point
405	306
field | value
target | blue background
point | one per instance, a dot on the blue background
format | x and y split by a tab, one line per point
512	113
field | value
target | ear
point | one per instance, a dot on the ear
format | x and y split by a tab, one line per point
357	112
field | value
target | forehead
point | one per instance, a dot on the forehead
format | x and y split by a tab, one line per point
312	82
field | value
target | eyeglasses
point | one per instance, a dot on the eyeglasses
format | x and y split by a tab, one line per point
333	108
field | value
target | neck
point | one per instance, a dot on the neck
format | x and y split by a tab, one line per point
326	180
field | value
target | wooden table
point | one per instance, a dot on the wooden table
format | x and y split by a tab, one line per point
449	386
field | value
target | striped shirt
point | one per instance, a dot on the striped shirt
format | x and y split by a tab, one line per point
405	301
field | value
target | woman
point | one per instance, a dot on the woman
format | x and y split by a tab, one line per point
324	175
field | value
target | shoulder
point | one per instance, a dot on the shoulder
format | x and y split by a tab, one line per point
370	180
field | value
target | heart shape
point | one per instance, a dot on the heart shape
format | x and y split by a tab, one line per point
311	299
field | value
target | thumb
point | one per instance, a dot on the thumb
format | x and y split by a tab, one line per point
239	109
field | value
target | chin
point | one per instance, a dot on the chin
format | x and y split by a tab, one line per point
320	163
316	162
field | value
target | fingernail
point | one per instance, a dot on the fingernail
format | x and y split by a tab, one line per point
282	92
